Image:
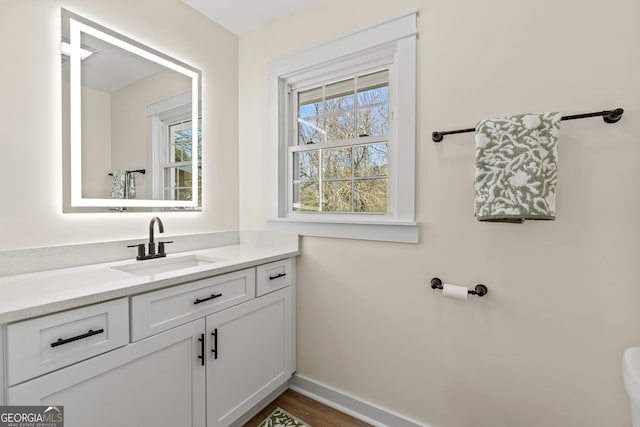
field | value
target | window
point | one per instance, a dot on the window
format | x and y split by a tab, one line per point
343	136
341	161
177	174
171	174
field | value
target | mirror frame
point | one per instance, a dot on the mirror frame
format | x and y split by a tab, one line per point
78	25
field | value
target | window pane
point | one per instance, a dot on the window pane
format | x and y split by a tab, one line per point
310	102
184	194
180	149
176	178
373	88
310	131
371	160
370	196
373	104
178	181
182	136
336	196
340	126
310	110
373	120
336	163
306	165
306	197
373	96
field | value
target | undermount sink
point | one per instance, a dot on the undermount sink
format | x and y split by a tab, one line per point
164	265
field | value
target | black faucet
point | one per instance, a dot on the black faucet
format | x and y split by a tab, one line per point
152	245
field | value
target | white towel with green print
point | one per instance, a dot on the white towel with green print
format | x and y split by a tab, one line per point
516	167
119	184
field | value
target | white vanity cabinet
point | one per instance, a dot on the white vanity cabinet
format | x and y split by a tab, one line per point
249	340
250	356
154	382
201	353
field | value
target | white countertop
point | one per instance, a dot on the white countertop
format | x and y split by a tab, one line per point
35	294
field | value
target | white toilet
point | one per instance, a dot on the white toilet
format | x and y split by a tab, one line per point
631	377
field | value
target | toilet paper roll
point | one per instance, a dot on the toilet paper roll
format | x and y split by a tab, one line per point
455	292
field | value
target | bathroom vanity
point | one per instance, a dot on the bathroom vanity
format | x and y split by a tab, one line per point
199	338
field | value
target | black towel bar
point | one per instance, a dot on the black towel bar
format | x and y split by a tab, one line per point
609	116
142	171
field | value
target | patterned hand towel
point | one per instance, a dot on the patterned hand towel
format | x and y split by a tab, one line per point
119	184
130	181
516	167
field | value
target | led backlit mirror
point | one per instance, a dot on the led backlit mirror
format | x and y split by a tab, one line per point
131	122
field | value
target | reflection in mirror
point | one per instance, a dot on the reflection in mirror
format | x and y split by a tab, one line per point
134	123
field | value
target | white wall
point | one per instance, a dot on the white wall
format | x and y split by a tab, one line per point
30	118
544	347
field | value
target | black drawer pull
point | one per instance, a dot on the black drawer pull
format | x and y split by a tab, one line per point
277	276
213	296
201	357
214	350
79	337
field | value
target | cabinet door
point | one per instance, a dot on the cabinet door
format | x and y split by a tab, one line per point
252	358
159	381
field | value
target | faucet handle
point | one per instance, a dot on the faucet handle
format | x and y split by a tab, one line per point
141	254
161	247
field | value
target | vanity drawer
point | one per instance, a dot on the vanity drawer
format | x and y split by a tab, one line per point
43	344
158	311
274	276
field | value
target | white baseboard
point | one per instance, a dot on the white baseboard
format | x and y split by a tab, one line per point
357	408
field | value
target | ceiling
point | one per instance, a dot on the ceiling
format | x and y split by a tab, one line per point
244	16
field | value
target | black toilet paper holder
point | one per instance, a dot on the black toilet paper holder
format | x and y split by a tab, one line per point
480	289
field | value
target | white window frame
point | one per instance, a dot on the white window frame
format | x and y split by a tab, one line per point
391	45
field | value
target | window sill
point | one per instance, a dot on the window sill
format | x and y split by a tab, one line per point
379	230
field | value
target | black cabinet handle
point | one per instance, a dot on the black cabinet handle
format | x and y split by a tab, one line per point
201	357
213	296
214	334
76	338
277	276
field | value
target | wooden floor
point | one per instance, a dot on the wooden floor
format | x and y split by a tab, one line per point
308	410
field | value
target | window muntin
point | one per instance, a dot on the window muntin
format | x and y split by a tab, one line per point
341	162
